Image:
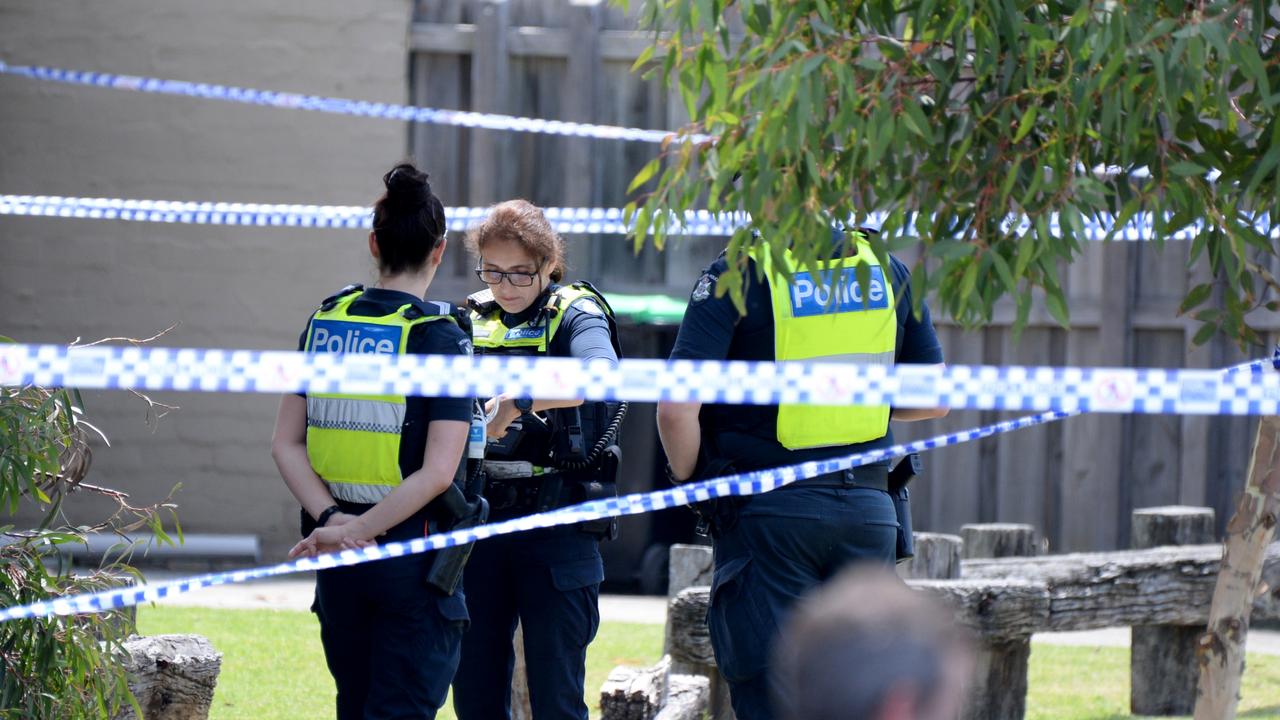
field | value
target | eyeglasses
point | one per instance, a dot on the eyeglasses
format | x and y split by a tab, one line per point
517	279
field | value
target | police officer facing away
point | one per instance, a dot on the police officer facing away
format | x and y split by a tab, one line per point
771	549
366	468
543	454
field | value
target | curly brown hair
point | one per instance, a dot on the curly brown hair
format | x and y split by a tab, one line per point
523	223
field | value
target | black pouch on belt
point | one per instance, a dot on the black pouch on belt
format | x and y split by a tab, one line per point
602	487
901	474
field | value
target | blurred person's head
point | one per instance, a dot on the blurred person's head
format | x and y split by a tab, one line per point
867	646
518	253
408	234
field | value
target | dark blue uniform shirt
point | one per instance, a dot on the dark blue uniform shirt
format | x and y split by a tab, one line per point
713	330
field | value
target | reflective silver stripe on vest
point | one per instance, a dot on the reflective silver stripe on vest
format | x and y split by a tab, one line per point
881	358
359	415
357	493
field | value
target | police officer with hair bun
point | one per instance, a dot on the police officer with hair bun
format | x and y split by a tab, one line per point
375	468
542	455
773	548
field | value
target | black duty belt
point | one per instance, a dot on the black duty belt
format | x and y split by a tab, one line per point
873	477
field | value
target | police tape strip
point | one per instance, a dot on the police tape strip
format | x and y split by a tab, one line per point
352	364
1139	229
593	221
344	106
742	484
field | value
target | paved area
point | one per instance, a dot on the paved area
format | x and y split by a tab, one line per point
295	593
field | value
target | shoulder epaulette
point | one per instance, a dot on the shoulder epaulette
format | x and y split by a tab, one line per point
431	308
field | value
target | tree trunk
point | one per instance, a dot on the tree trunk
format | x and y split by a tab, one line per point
1221	654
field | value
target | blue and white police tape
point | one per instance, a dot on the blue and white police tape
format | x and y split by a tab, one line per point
343	106
602	221
350	364
743	484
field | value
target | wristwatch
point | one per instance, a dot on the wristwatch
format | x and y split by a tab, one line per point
326	514
524	404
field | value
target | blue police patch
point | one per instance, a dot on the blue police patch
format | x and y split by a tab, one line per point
340	336
525	333
811	298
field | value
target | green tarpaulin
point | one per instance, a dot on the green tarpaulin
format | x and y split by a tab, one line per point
647	309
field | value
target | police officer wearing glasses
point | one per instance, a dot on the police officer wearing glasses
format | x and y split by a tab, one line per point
542	455
773	548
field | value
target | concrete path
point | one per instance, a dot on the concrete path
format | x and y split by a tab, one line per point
295	593
1266	642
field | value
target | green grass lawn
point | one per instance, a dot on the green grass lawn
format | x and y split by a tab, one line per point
1093	682
273	668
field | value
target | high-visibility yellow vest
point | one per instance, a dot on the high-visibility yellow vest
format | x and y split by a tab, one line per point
832	318
353	441
533	336
490	335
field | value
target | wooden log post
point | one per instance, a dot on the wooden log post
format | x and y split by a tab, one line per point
653	694
1161	586
1162	661
172	676
690	565
634	693
937	558
1003	614
687	698
1249	535
689	644
998	540
693	566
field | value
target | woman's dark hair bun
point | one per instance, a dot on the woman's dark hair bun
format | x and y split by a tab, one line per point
407	186
408	220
